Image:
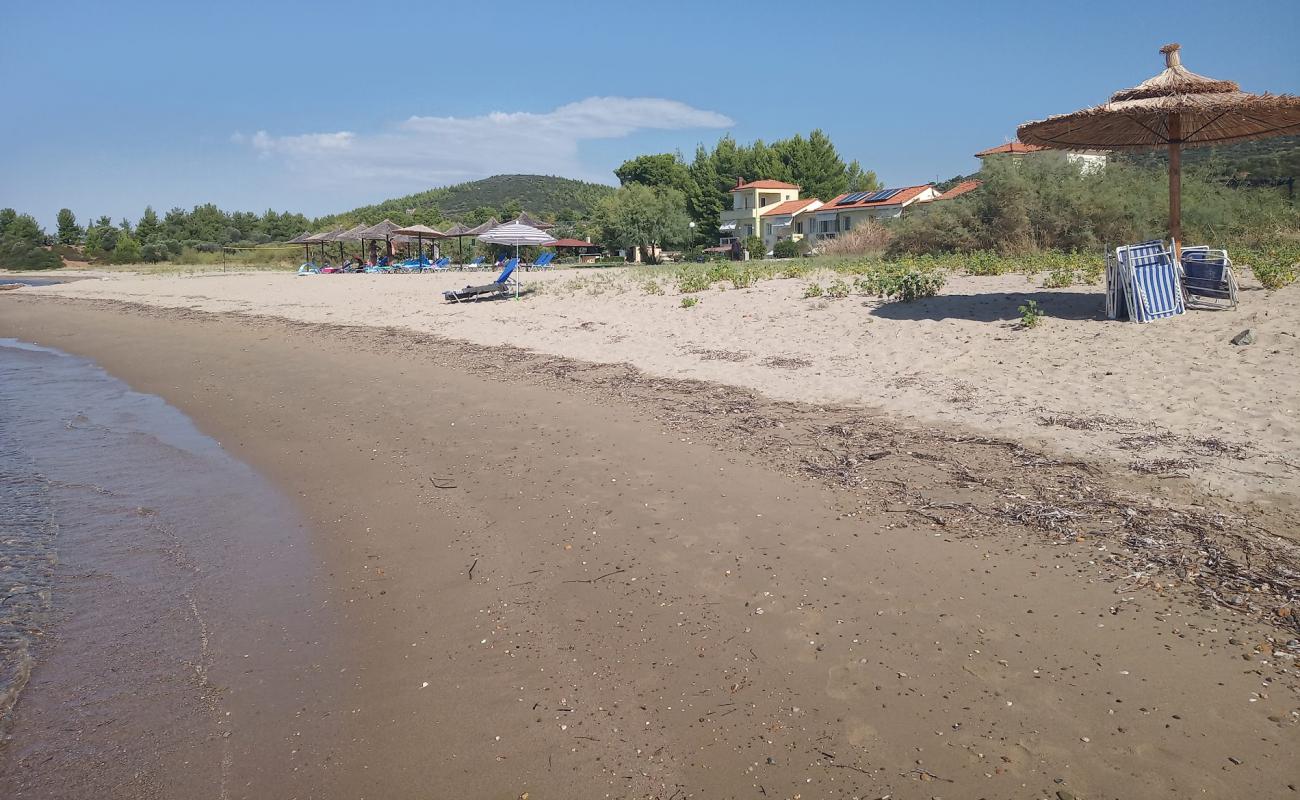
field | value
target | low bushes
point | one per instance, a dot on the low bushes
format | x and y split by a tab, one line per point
1274	265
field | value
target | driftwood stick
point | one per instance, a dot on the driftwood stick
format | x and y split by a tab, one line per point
598	577
471	569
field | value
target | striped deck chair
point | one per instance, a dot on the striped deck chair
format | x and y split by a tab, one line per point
1116	286
1151	280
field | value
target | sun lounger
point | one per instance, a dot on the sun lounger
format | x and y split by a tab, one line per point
1149	281
476	263
1207	278
500	286
308	269
543	261
441	264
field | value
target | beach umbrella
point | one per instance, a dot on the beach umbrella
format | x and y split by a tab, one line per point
381	232
458	232
352	234
321	239
477	230
302	240
420	232
578	245
516	233
1173	110
525	219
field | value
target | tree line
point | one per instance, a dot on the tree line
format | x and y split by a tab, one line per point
662	194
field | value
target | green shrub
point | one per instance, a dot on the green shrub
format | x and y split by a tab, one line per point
16	253
693	280
754	244
1274	265
1030	314
743	278
652	287
837	289
690	302
788	248
812	290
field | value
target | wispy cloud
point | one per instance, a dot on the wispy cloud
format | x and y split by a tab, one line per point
437	150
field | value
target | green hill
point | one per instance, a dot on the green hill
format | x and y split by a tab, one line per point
543	196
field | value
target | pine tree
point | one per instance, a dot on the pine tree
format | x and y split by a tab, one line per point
148	226
69	232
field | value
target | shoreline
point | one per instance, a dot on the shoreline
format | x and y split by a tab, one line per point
1079	386
622	545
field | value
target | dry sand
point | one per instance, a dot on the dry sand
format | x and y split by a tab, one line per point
1173	397
572	580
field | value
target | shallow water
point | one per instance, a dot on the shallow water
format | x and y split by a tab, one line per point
135	554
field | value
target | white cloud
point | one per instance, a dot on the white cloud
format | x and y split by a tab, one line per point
437	150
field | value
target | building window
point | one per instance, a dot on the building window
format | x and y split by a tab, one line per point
798	227
769	229
848	223
749	230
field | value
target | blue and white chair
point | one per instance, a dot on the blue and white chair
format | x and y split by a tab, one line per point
1207	277
1149	283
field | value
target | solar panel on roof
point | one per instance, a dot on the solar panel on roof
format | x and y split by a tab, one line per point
884	195
853	198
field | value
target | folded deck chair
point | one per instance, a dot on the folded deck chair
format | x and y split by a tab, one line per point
1207	278
1150	282
500	286
1116	286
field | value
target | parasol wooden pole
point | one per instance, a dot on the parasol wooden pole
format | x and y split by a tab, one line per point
1176	183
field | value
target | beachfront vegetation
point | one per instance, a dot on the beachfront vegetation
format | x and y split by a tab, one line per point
788	248
22	243
643	216
754	246
1030	314
1043	204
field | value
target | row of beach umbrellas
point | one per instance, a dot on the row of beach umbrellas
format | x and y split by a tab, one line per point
524	230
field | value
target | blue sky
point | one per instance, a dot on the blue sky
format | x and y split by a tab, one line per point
323	106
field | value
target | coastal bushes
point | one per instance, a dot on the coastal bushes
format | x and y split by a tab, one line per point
1275	265
23	243
1042	204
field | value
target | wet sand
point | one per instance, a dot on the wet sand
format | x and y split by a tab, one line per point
571	580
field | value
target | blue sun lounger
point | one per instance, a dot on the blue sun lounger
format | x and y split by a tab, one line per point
500	286
543	261
476	263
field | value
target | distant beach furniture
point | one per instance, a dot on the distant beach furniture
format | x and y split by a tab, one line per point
500	286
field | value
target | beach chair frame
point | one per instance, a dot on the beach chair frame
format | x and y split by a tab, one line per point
1207	278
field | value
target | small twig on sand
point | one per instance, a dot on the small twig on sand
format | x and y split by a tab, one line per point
925	773
849	766
471	569
598	577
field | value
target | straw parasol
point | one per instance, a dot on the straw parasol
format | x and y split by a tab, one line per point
381	232
459	232
302	240
525	219
420	232
352	234
1175	109
321	239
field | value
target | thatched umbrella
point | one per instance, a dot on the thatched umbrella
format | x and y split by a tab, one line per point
525	219
459	232
478	230
321	239
302	240
420	232
352	234
1175	109
381	232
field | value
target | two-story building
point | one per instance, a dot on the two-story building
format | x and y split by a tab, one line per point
748	202
847	211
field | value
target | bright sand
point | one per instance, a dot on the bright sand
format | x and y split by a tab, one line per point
1173	397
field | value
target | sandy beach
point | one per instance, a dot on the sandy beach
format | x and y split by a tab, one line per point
1174	399
592	544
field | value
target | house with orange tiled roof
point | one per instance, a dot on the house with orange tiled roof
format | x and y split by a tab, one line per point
1086	160
960	189
778	222
851	209
749	201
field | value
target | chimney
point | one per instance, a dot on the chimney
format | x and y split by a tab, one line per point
739	181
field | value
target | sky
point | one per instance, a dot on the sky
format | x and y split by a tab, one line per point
324	106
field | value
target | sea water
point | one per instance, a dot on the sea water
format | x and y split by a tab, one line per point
134	552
